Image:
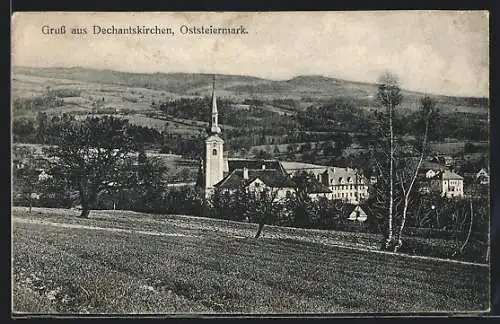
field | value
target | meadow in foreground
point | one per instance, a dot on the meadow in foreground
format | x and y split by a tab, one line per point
218	267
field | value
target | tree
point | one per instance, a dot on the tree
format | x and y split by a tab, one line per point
389	96
91	153
301	204
23	130
26	181
265	208
407	171
342	141
147	181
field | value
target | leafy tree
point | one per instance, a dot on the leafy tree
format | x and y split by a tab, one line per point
148	182
91	153
264	208
26	182
301	204
342	141
23	130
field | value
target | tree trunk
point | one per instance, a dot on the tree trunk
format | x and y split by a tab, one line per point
261	226
30	201
487	258
85	213
86	201
391	181
470	228
399	243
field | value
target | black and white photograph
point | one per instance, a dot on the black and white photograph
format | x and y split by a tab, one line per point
250	163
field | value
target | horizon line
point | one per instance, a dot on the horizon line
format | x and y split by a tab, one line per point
251	76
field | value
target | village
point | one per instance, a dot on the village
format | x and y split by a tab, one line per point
438	175
337	169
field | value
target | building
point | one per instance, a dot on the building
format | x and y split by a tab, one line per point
258	180
482	177
218	171
444	159
213	167
476	184
447	183
346	184
356	213
430	174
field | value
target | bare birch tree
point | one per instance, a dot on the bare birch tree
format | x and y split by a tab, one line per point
389	96
407	172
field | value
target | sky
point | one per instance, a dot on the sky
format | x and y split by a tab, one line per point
441	52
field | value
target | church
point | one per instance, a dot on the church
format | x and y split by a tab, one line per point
230	174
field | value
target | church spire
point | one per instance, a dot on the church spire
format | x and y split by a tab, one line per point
214	122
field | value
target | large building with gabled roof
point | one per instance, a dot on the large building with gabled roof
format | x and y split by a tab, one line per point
220	172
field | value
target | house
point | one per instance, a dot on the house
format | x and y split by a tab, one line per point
446	160
448	184
430	173
346	184
258	180
44	176
477	183
478	177
356	213
483	177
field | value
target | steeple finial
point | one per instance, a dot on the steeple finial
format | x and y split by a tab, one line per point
214	122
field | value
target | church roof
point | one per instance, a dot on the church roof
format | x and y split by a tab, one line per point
255	164
271	177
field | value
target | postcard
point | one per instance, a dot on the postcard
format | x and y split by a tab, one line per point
250	163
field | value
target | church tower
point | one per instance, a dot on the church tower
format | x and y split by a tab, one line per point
214	159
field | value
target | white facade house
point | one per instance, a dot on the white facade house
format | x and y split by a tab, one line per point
357	214
448	184
430	174
483	177
345	184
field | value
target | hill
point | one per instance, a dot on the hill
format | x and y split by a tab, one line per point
305	88
253	111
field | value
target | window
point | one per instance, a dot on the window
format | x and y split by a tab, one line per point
214	152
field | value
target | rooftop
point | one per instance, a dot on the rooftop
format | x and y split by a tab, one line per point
300	165
271	177
449	175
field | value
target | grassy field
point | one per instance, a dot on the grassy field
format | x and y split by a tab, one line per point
126	262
